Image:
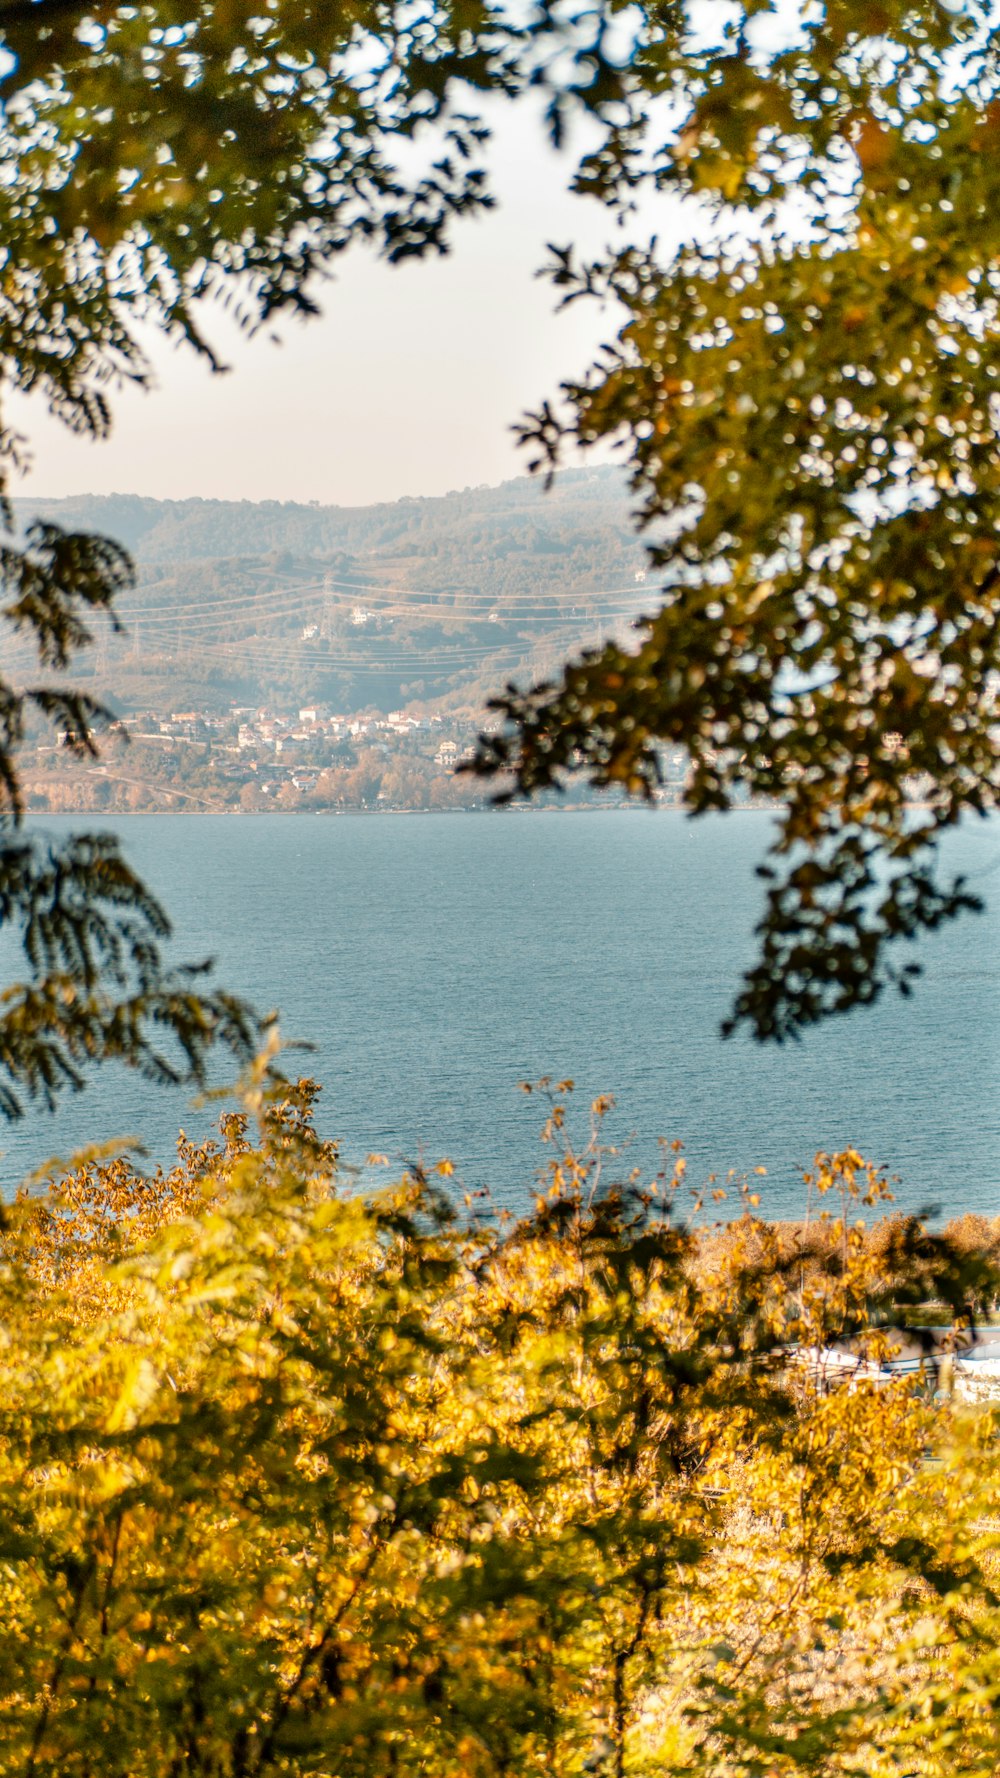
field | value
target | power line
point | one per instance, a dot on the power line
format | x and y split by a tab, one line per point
397	601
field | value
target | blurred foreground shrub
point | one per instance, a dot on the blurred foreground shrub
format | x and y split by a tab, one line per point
300	1479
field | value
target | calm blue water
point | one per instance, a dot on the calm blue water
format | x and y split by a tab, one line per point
436	960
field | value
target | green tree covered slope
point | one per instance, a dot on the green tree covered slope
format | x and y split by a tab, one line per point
438	600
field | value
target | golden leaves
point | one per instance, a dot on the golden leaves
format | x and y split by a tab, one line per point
380	1463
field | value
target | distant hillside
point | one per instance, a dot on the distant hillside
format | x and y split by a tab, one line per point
433	601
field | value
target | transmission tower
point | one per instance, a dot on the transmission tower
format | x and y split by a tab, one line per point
328	613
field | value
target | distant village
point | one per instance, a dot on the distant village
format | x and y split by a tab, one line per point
252	760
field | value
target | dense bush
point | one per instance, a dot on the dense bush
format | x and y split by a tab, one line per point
299	1478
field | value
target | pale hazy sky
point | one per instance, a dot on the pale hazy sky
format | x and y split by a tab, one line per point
408	383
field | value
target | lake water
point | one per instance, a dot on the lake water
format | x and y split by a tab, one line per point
436	960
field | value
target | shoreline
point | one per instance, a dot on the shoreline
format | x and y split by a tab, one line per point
630	808
635	808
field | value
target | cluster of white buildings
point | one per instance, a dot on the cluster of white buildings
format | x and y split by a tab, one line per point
263	729
266	731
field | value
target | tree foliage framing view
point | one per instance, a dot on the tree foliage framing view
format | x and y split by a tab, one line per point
306	1479
805	391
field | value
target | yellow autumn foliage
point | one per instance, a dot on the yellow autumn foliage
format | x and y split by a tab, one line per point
299	1478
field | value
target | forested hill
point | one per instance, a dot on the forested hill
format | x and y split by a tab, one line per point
436	600
585	508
